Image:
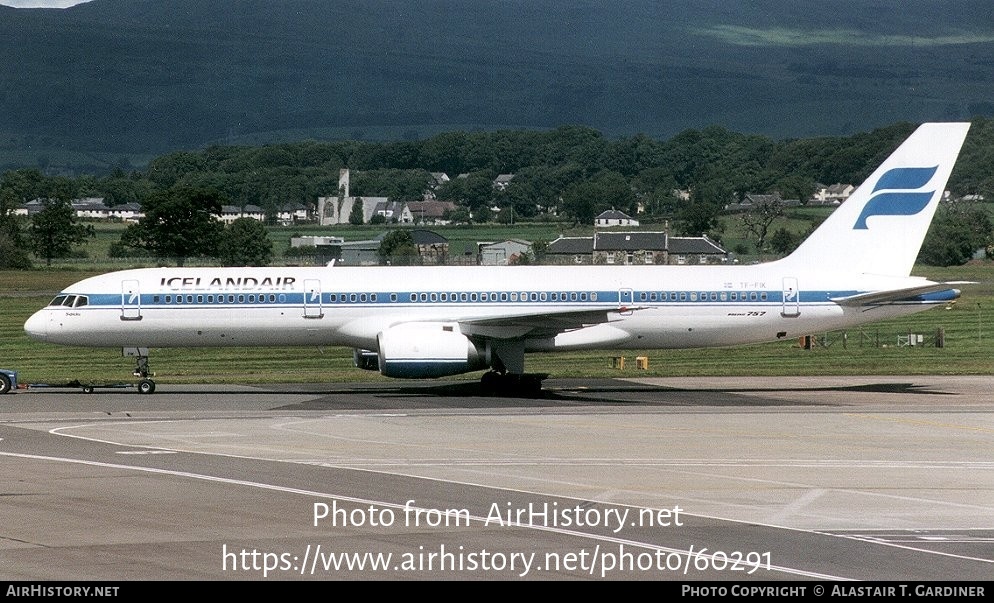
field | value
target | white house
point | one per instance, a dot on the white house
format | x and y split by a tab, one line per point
613	217
832	195
230	213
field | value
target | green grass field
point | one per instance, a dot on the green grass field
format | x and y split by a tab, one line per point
871	350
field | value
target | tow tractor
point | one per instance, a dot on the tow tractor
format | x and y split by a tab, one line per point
8	381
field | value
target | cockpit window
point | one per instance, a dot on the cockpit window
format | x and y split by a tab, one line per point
69	301
58	300
81	301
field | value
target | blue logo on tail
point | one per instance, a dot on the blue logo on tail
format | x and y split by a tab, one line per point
898	203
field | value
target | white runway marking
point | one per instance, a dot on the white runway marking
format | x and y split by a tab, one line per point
385	504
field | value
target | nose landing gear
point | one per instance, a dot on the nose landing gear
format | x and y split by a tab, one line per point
145	383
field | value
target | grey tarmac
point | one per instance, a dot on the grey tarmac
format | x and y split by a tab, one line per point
741	479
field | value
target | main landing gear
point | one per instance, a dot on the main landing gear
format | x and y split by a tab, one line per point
508	377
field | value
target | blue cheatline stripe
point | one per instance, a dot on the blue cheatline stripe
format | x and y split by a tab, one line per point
604	299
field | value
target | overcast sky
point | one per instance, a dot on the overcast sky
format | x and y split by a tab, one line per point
41	3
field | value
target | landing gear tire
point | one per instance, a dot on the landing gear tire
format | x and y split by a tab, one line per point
87	389
146	386
4	384
491	381
511	384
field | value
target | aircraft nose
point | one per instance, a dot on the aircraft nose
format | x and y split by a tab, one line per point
37	326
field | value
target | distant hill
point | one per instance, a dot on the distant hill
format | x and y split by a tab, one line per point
132	78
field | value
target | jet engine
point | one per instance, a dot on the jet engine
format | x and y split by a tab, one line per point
420	350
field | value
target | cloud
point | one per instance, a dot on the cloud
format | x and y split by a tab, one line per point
42	3
751	36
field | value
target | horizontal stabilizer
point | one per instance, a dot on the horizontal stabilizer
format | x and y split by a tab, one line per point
876	298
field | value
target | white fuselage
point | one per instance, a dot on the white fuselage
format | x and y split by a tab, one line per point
645	306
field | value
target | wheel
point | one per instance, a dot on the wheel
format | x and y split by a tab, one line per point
490	381
87	389
146	386
4	384
531	386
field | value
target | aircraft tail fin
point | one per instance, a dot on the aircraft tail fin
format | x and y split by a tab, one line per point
880	228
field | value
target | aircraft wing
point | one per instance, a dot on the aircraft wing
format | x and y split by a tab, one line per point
539	324
877	298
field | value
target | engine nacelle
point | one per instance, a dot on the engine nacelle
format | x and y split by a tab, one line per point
366	360
421	350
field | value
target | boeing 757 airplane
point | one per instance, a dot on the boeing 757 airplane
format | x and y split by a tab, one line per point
422	322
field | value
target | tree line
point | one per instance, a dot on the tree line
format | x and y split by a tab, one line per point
572	173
